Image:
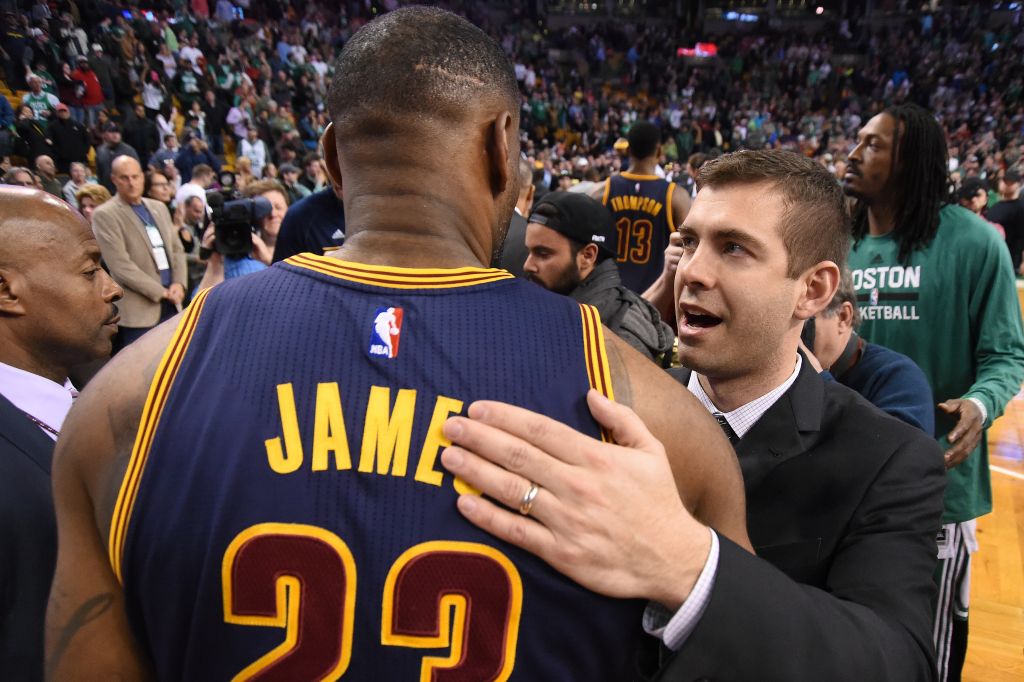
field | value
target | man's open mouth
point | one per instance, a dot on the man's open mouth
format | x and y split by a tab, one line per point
699	318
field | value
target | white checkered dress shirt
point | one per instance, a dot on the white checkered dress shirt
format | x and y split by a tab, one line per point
673	629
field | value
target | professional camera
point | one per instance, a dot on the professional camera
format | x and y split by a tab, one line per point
235	219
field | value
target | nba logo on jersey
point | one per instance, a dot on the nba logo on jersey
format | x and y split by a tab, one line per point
873	297
386	332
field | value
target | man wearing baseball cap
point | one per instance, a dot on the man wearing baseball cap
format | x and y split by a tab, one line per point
70	139
111	148
570	241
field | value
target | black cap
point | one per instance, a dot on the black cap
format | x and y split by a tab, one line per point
111	128
579	218
969	188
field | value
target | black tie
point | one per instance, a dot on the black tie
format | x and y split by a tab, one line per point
729	433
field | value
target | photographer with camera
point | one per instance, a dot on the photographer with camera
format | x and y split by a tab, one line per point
275	193
240	232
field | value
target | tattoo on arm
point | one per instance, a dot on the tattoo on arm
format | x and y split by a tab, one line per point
92	609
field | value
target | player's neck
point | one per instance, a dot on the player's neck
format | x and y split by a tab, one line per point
642	166
413	231
881	219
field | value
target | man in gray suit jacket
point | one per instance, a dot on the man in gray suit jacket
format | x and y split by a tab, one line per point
142	251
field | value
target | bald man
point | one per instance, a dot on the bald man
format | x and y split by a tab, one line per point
141	248
284	513
56	311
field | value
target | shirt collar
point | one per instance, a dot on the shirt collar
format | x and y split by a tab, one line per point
743	418
37	396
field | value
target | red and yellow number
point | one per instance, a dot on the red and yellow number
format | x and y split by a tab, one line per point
458	595
462	596
298	577
634	240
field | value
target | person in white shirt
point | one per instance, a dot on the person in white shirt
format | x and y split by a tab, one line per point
255	149
190	52
202	178
57	311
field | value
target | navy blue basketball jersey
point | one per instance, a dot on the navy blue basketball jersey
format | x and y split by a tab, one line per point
641	206
285	515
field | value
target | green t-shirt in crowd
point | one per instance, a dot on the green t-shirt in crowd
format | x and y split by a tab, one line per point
953	309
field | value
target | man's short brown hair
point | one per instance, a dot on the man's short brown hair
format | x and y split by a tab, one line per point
816	224
202	170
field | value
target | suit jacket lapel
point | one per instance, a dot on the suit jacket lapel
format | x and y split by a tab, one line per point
788	429
136	231
16	429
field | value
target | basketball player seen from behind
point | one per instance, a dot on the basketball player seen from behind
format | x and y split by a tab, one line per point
226	509
646	209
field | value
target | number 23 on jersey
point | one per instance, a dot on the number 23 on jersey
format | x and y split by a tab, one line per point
463	596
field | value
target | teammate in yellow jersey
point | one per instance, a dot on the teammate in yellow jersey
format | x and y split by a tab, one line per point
647	210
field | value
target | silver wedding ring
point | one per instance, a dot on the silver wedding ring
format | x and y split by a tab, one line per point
528	498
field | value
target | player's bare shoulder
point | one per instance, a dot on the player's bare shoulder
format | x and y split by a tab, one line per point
703	463
99	433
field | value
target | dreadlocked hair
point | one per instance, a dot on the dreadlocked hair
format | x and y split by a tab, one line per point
920	159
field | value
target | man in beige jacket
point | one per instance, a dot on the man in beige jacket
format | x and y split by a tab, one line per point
142	252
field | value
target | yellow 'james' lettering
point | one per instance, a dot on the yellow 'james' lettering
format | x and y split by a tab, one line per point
329	429
425	472
386	433
290	459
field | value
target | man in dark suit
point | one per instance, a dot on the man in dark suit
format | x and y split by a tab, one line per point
843	501
56	311
513	251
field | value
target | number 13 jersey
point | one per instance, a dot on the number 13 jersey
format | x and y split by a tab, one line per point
285	514
641	206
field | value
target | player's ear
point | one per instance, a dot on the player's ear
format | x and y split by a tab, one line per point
845	316
331	164
818	284
499	152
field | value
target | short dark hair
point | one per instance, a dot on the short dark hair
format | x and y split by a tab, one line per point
816	225
644	138
844	294
149	179
419	60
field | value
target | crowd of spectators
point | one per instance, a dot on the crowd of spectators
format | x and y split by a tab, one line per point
134	115
240	85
